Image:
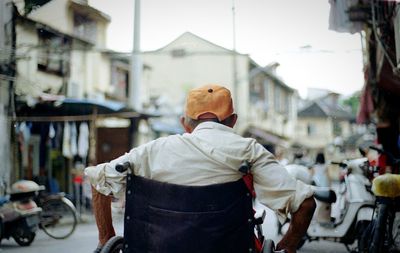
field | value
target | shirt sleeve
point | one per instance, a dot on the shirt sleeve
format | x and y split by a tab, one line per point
106	180
274	186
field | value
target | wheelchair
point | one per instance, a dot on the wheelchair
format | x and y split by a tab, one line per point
214	218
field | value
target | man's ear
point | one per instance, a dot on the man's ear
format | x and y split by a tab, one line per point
187	128
232	120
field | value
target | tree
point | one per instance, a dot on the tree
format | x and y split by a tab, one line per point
352	102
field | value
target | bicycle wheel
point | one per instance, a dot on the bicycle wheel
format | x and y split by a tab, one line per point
396	231
379	230
58	219
364	231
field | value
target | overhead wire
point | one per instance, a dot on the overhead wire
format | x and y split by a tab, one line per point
378	39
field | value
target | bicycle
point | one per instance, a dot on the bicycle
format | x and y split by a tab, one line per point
383	233
58	218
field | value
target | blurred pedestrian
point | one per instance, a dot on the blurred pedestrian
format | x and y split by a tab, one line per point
320	171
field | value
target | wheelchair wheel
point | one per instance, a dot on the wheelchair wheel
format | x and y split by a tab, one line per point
269	246
114	245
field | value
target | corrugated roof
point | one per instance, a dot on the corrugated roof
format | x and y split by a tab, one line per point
320	109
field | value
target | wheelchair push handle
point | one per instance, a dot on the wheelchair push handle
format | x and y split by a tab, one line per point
122	167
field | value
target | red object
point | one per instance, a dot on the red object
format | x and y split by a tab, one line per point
382	164
78	179
258	244
248	180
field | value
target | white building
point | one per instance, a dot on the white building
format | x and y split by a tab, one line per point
190	61
60	44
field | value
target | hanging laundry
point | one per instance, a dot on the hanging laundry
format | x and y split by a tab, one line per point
66	148
25	131
52	131
57	140
83	140
74	138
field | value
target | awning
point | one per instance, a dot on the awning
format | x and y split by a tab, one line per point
70	109
265	137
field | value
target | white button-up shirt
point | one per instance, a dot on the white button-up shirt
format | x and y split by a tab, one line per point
211	154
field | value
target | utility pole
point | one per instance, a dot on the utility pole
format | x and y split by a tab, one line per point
7	75
136	63
234	59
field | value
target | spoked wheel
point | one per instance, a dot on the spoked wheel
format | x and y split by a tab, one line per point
379	230
58	219
114	245
364	231
396	231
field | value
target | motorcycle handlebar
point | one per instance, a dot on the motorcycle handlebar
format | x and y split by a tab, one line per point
341	164
379	150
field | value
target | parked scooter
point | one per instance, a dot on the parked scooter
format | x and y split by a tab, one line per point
356	204
19	214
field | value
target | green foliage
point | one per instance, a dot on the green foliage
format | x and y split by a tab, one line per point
352	102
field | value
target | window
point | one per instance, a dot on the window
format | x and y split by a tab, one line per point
287	104
277	99
337	128
178	53
53	53
120	81
85	28
266	94
311	129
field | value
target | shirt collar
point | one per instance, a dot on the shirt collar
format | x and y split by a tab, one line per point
212	125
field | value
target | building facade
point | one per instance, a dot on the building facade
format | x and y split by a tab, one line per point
190	61
322	122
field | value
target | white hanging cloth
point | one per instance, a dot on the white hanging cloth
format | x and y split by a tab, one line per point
74	138
66	148
83	140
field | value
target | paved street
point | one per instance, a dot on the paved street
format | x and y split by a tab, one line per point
85	238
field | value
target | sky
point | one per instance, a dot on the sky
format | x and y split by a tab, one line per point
293	33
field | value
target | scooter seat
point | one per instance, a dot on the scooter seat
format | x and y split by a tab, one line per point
327	196
387	185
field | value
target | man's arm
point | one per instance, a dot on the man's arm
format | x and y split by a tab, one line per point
299	223
102	213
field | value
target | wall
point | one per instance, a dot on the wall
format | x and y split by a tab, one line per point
77	86
264	115
323	132
30	81
59	15
55	13
98	69
5	122
171	77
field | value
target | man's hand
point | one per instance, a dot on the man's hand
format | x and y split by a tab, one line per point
298	226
